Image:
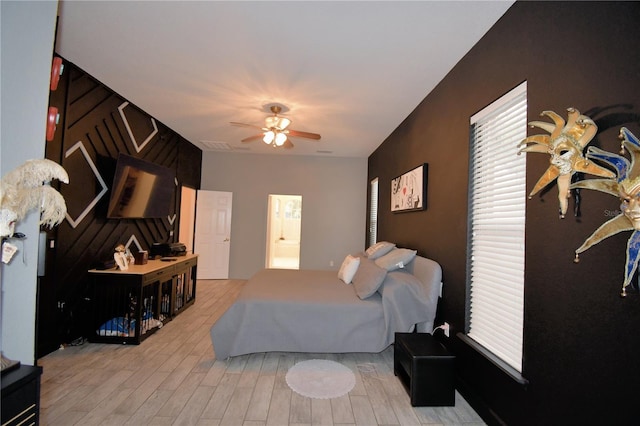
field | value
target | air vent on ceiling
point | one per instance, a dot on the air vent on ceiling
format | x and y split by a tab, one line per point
216	146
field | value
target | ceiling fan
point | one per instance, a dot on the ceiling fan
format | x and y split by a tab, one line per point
275	131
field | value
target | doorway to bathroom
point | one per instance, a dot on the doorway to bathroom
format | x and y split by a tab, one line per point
283	231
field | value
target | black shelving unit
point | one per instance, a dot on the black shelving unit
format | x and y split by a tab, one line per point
21	395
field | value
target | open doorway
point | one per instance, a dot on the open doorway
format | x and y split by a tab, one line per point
187	217
283	231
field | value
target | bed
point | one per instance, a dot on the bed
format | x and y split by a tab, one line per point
317	311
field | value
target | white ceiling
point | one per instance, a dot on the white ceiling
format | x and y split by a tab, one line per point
349	70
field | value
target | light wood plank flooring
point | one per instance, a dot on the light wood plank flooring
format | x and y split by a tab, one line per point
173	378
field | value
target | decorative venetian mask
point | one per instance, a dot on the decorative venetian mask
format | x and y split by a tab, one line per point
626	186
565	145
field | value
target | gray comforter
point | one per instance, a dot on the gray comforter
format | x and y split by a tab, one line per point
314	311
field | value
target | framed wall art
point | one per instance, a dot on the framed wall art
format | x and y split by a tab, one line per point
409	190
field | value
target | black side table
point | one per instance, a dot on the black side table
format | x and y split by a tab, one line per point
425	368
21	396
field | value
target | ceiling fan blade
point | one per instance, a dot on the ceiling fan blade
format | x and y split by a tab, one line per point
252	138
299	134
235	123
287	144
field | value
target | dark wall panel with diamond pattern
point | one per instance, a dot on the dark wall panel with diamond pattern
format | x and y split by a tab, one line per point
96	125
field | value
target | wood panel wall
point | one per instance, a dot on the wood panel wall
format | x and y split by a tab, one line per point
96	124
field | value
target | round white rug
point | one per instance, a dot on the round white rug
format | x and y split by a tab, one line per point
320	379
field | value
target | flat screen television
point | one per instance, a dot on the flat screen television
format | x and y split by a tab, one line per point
140	189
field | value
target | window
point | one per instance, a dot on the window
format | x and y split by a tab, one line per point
293	209
373	213
496	229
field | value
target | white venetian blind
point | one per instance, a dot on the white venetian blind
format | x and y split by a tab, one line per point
497	226
373	213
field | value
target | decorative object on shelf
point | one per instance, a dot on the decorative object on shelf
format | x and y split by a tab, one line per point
123	257
142	257
565	144
409	190
626	186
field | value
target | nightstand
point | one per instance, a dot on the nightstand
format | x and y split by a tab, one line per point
21	396
426	368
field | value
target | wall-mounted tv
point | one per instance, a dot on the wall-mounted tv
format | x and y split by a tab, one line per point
140	189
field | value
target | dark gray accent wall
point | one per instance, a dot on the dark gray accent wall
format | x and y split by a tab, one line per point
580	339
91	133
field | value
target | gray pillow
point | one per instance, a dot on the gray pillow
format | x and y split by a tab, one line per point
368	278
378	249
396	259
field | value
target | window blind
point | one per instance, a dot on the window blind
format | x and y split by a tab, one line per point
373	213
497	226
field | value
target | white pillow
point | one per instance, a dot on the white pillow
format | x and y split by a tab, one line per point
378	249
348	268
396	259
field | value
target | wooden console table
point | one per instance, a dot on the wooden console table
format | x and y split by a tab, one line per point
128	306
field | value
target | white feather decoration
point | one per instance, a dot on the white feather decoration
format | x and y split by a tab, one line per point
27	187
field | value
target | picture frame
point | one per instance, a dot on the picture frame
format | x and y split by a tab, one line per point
409	190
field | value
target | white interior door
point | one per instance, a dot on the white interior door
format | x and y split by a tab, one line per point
213	234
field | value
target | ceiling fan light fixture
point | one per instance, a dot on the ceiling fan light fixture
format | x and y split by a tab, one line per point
284	122
275	132
271	122
268	137
281	138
